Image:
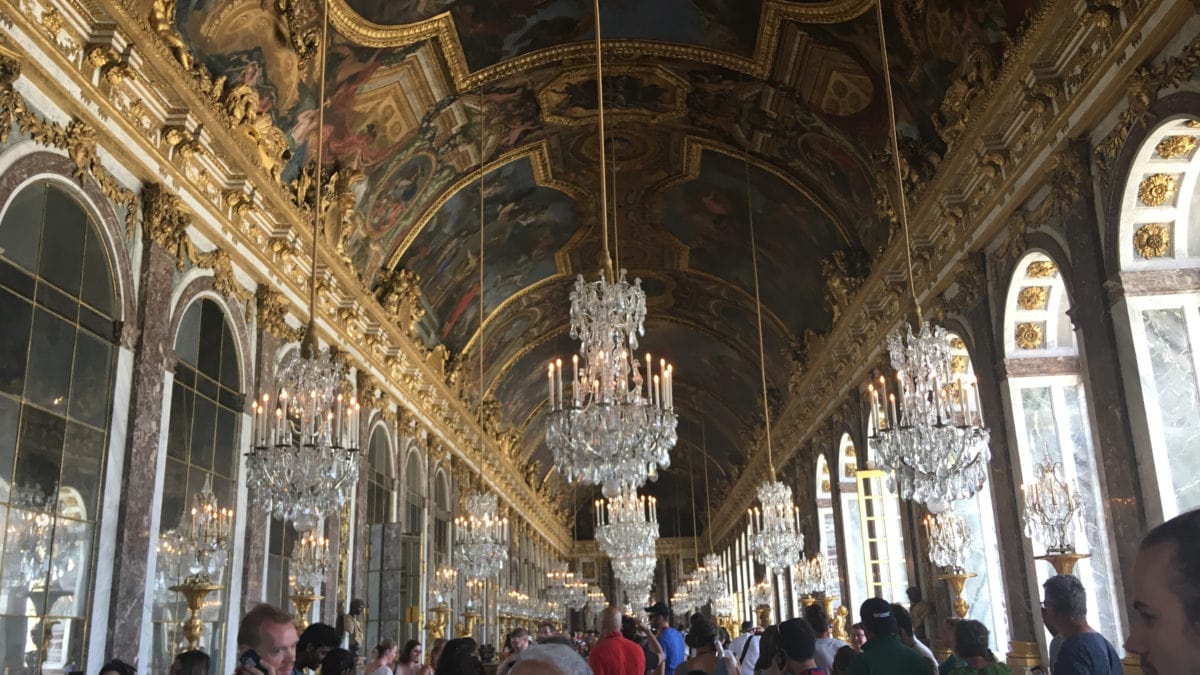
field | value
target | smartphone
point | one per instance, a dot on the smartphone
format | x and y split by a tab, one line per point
250	660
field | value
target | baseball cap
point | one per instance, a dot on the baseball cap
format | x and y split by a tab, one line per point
877	617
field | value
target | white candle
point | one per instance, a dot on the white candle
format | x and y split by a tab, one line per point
558	369
892	402
575	379
657	399
550	384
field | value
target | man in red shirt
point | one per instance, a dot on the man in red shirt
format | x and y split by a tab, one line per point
614	654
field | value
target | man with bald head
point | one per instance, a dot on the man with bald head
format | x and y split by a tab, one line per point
614	654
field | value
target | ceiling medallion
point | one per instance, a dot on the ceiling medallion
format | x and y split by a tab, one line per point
1030	335
1157	189
1033	297
1173	147
1041	269
1152	240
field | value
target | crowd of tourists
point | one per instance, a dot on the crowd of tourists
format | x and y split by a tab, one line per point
1165	636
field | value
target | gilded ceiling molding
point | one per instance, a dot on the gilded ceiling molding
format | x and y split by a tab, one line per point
549	98
1084	61
442	28
538	155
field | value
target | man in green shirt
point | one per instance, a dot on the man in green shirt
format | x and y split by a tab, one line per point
884	654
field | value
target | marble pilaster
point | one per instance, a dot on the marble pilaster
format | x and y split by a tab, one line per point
153	358
391	612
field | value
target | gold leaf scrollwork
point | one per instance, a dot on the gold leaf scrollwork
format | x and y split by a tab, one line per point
1030	335
165	222
398	292
1152	240
1174	147
224	279
1033	297
1041	269
1157	189
272	314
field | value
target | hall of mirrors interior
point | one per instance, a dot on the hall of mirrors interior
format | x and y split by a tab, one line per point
289	306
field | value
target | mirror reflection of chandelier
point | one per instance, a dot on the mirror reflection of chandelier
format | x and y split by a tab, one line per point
304	457
936	447
564	589
30	528
614	424
480	538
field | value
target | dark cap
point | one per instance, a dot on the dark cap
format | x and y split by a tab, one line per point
877	617
797	639
659	609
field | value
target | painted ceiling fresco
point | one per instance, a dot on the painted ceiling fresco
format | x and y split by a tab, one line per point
420	93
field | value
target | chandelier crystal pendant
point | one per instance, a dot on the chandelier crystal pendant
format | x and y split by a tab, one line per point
937	446
615	424
635	571
480	538
303	457
627	525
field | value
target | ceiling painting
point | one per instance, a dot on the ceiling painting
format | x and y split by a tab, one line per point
525	225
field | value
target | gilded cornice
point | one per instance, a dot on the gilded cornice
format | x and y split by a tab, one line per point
442	28
1081	62
127	117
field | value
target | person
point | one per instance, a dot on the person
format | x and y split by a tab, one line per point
460	657
518	641
858	637
798	644
546	630
843	660
884	654
191	662
1083	650
409	660
640	633
770	659
337	661
745	648
920	611
550	659
315	642
382	658
710	656
827	646
905	625
946	641
435	652
614	654
1166	598
670	639
971	645
270	634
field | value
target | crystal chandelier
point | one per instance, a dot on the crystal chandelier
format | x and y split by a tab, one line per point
949	540
627	525
1051	507
309	563
480	537
595	599
445	582
937	447
813	576
775	537
762	594
31	526
564	589
710	580
635	571
204	548
615	424
303	454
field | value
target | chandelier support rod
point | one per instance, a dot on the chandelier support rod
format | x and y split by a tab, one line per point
762	356
707	492
608	267
482	127
695	536
310	338
895	138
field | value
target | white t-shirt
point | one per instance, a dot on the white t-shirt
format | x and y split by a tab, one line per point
739	645
827	648
926	652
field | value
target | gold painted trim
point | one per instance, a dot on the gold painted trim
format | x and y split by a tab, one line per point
682	89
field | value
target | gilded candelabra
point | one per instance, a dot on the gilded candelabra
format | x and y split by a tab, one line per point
949	542
204	550
194	592
1051	507
310	562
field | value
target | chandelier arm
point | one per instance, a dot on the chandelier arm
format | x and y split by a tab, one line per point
608	267
895	138
762	356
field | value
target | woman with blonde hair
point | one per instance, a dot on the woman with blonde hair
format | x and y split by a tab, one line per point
382	658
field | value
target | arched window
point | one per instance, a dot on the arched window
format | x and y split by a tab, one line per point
381	495
411	544
57	349
202	440
1159	237
825	523
884	555
1050	418
985	592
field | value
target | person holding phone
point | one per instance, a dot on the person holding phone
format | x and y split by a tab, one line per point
266	642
